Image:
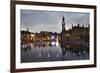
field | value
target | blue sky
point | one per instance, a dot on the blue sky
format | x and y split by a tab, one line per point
51	21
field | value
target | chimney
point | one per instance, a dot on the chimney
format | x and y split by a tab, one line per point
78	25
72	26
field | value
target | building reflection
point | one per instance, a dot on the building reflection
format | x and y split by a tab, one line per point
70	52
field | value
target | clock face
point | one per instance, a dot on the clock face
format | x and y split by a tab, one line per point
63	24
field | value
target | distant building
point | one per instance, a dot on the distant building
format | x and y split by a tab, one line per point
77	33
25	36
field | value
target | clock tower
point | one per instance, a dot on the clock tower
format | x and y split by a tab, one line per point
63	24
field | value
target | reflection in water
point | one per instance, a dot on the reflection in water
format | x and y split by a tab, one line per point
40	51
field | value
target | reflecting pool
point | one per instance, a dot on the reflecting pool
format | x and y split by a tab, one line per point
42	51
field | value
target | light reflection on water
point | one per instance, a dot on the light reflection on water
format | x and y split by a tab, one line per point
45	51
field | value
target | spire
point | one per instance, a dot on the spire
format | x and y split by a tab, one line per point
27	29
88	25
78	25
63	23
72	26
63	18
83	26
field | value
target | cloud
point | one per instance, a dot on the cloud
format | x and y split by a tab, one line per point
38	21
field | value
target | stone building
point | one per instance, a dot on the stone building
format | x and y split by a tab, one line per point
77	34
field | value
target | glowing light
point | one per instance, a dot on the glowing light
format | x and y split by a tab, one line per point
57	43
48	55
52	37
53	43
32	35
40	55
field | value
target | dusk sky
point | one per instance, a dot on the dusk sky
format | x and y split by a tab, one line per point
51	21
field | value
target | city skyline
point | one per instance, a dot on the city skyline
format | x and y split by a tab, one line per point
51	21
